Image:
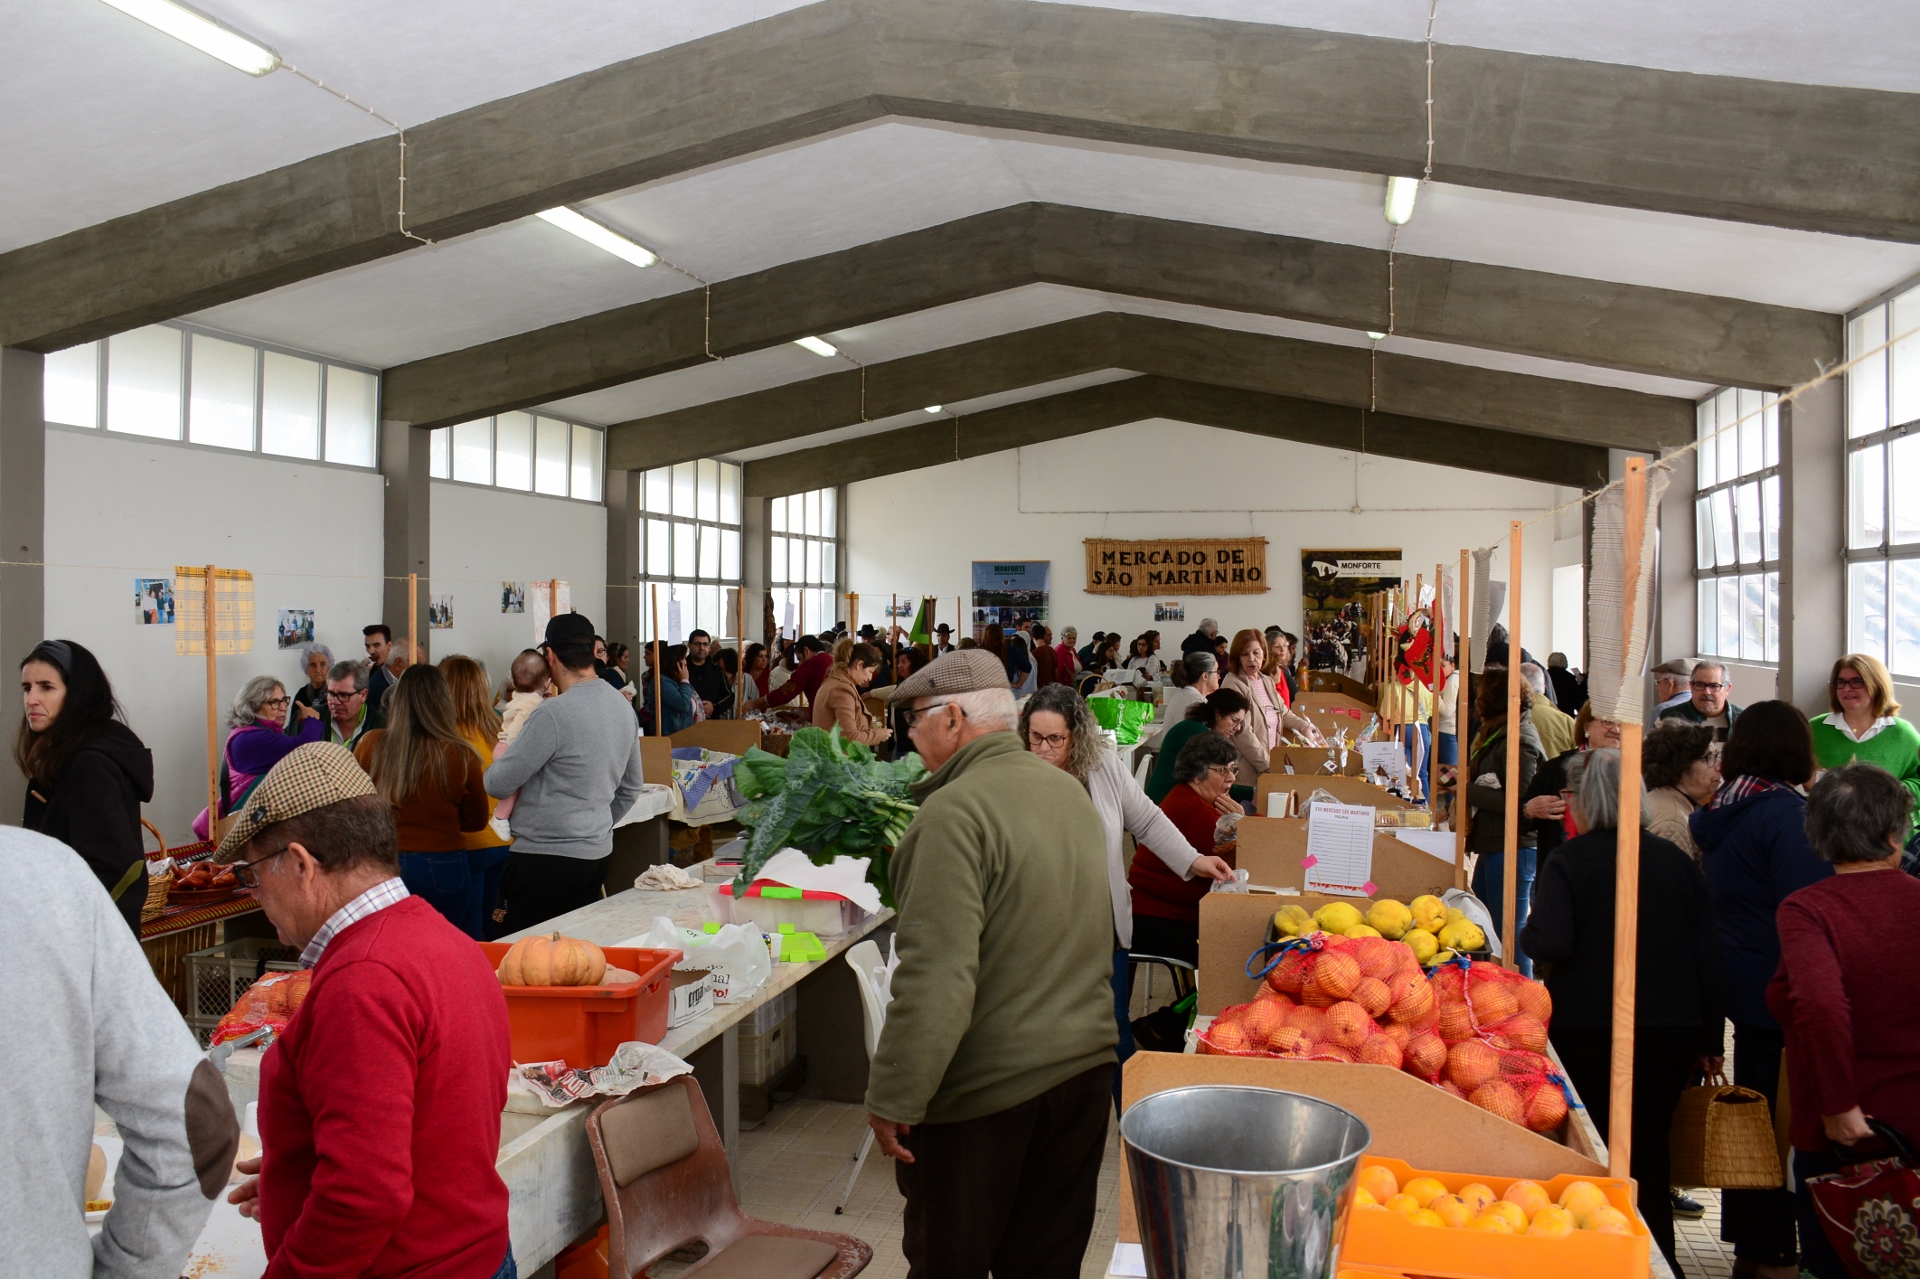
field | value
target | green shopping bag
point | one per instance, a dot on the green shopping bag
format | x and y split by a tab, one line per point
1128	721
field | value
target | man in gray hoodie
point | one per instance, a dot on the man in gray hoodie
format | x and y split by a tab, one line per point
94	1028
576	765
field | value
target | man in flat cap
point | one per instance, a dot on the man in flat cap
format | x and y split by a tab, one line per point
994	1072
380	1103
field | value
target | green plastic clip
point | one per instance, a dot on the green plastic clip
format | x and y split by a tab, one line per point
800	948
786	929
710	927
780	892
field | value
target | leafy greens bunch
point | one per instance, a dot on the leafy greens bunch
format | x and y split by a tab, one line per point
828	798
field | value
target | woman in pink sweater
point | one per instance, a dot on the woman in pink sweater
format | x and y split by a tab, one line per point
1847	986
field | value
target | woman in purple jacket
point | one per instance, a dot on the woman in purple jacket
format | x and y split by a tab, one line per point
257	739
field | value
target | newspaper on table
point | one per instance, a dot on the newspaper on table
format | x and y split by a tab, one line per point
634	1065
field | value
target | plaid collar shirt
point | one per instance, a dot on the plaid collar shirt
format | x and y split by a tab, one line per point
375	899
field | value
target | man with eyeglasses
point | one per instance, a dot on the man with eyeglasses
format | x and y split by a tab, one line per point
1710	704
349	717
992	1078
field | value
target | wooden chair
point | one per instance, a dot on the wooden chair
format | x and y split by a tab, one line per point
664	1176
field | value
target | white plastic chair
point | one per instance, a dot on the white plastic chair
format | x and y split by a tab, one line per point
870	970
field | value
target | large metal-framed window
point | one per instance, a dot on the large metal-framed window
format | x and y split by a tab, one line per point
803	560
181	382
1883	485
530	452
690	546
1736	525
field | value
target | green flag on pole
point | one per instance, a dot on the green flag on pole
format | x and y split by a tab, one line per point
923	624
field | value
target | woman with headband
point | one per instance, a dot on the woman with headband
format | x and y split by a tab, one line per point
87	774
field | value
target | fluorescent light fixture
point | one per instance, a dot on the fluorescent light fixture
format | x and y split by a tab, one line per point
817	346
933	408
203	33
1378	337
1400	194
598	236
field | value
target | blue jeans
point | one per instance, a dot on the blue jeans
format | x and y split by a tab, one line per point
484	868
1424	732
1122	983
441	879
507	1270
1488	873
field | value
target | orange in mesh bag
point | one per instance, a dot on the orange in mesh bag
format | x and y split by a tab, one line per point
270	1003
1527	1090
1488	1001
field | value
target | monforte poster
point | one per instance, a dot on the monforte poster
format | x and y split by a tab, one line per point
1009	593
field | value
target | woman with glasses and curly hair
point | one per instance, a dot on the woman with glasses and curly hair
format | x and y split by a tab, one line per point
258	737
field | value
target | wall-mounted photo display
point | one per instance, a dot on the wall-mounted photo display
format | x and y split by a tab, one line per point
153	601
1334	586
440	613
1170	611
296	627
1009	593
513	597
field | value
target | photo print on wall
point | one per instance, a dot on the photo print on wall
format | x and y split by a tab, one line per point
1170	611
513	597
296	627
1009	593
440	613
153	601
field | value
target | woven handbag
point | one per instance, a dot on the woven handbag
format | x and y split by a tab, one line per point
157	885
1722	1137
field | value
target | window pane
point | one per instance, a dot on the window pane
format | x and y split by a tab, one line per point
1729	616
1770	432
1702	533
1866	496
730	555
440	453
812	525
729	493
1906	358
1867	380
707	490
143	382
513	451
72	391
777	560
707	610
290	406
1773	617
683	489
1747	404
550	456
827	527
1905	460
813	561
1723	549
796	560
826	564
351	407
1903	606
685	564
709	552
586	464
777	514
220	401
1707	615
1705	473
473	451
1867	608
1727	409
1753	618
1746	502
659	484
1770	518
659	549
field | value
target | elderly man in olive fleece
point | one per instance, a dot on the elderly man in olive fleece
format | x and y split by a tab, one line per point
992	1078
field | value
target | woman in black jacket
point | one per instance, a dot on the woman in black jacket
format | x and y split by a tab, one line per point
87	774
1678	1010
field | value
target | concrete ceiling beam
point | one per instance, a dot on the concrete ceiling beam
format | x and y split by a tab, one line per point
1139	399
1810	157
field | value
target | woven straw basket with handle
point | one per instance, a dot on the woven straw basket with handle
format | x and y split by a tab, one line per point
157	885
1722	1137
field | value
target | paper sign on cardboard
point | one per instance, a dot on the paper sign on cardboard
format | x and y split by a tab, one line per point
1339	849
1383	760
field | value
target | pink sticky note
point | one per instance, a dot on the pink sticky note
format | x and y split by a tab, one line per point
1367	888
1309	860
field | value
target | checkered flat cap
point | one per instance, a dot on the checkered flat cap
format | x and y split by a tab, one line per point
313	776
967	670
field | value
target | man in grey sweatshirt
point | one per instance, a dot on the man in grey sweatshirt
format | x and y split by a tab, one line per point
576	765
90	1025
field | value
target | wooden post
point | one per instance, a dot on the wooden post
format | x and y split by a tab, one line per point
740	652
659	660
1462	721
1436	683
1510	876
893	620
413	613
1626	875
213	707
853	612
959	612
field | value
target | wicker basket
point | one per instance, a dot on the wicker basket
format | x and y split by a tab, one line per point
1722	1137
157	885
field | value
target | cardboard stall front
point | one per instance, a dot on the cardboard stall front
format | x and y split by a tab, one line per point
1272	851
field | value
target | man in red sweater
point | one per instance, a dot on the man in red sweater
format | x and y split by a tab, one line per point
380	1104
814	664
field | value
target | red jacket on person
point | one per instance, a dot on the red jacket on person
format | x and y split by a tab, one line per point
1159	892
380	1109
806	679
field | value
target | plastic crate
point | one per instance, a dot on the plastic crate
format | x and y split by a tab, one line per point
585	1025
764	1056
219	975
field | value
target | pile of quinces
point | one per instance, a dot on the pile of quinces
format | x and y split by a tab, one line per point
1436	932
1526	1208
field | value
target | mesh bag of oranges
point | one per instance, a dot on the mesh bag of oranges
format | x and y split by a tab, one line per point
1486	1001
1327	998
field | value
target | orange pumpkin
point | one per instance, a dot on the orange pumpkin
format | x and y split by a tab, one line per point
553	960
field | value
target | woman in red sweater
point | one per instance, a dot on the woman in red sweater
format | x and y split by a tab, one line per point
1847	987
1166	908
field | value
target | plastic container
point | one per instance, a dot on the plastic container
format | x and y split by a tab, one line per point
822	914
219	975
584	1025
1387	1240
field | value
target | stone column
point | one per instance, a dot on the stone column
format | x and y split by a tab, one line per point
622	623
23	509
406	465
1813	569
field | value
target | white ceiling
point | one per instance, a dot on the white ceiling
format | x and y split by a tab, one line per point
106	116
892	176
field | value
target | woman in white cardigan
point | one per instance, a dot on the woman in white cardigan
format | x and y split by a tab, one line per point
1270	718
1057	726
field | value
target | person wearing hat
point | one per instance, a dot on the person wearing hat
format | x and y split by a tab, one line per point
380	1102
576	765
943	639
993	1074
1670	683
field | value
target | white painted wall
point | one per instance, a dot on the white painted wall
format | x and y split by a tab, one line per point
918	532
120	508
485	536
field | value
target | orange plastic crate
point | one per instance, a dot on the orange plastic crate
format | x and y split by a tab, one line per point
1387	1240
584	1025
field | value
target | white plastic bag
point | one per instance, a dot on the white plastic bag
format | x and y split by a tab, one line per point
1476	910
737	955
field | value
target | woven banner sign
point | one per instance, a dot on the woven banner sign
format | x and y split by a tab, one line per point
1190	566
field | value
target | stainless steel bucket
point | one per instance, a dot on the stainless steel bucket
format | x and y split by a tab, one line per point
1241	1183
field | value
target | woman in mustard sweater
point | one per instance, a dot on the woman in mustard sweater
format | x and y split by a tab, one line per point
1864	723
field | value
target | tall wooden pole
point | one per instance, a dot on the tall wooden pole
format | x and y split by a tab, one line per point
1435	683
413	614
1462	722
1510	868
659	660
1626	874
740	652
213	707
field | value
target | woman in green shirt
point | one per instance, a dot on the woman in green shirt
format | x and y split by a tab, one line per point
1864	723
1223	711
